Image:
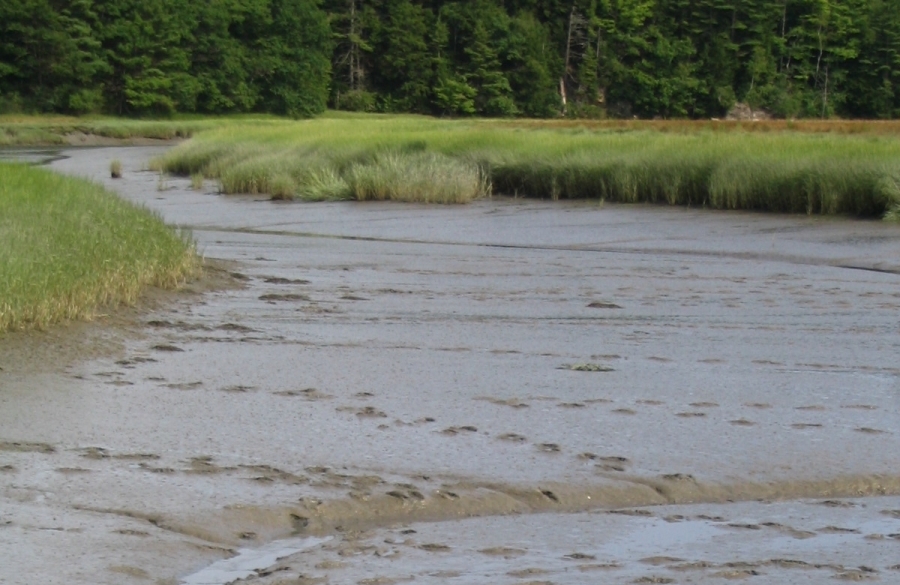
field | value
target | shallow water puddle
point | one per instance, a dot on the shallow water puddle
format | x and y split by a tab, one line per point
250	561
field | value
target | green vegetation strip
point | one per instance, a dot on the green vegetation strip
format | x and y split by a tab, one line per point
29	130
69	247
413	158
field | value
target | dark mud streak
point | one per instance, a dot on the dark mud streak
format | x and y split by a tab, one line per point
785	258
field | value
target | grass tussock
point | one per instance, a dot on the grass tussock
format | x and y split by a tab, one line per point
68	247
793	167
115	169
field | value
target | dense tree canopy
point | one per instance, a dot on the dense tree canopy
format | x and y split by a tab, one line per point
645	58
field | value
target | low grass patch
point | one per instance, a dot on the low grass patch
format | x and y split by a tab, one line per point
49	130
828	169
69	247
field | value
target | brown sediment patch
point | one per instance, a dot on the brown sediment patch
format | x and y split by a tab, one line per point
742	422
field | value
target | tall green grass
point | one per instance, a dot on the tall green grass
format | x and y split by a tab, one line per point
416	158
69	247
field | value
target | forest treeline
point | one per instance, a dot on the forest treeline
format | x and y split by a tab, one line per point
542	58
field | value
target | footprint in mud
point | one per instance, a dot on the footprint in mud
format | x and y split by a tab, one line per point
758	404
586	367
434	547
235	327
608	463
571	405
276	297
406	494
131	362
548	447
624	411
130	532
742	422
457	430
353	298
306	393
812	407
691	414
166	347
25	447
658	561
185	385
653	579
578	556
892	513
280	280
511	402
733	574
837	530
70	470
861	574
603	305
650	402
512	437
633	512
503	551
237	388
269	474
703	404
871	431
527	572
7	469
802	426
370	412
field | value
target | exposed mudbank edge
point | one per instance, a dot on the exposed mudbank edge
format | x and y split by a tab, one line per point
314	517
65	344
79	138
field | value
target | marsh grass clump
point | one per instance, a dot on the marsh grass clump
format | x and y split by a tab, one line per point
412	158
115	169
197	180
69	247
416	177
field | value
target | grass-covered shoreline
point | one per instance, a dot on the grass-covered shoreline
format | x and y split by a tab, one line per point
413	158
69	247
48	130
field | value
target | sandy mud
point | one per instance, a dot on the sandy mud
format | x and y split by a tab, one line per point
506	392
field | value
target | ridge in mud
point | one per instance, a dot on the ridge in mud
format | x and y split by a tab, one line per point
366	509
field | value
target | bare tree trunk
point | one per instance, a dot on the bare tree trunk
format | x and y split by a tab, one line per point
562	92
569	38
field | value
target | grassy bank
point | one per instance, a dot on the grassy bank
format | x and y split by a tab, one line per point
47	130
828	171
68	247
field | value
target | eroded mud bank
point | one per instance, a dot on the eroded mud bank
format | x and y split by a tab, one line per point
383	365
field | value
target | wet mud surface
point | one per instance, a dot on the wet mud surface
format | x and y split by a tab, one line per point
507	392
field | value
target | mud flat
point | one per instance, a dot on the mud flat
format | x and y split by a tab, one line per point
509	392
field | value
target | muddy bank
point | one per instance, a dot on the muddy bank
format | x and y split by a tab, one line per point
383	365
